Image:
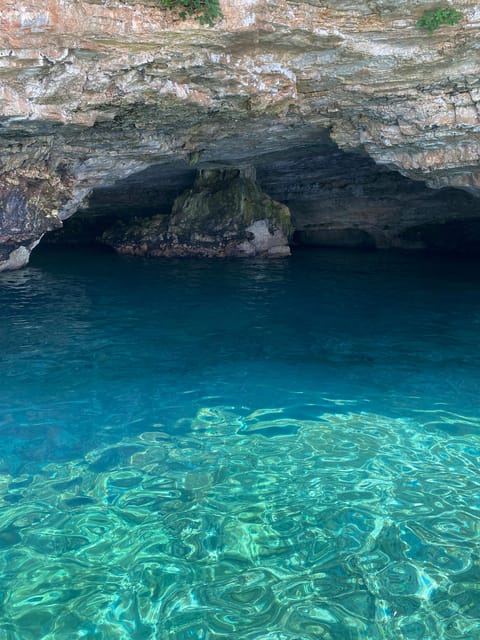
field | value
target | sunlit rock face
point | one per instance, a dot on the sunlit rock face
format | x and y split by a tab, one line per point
92	92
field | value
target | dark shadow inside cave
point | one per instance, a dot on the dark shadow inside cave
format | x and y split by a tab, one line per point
336	199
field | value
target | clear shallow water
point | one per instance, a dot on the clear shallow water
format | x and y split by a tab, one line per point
281	450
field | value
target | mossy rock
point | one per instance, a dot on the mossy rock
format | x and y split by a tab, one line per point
225	213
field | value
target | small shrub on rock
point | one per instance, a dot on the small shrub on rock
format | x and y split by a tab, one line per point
432	19
205	11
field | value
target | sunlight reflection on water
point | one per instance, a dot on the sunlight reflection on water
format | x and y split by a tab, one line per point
281	451
352	526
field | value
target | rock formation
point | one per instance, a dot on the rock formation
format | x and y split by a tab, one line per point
93	92
225	214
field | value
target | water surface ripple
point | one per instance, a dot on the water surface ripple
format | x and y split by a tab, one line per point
266	451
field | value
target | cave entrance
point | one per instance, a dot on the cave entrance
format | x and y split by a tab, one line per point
336	199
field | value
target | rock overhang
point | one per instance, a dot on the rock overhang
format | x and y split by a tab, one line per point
94	92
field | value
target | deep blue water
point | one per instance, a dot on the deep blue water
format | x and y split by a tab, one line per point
281	450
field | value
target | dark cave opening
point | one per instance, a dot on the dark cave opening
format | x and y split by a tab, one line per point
336	199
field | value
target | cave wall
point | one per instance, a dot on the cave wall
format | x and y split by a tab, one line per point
336	199
346	200
93	92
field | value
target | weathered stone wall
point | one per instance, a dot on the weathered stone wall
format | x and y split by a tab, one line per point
93	91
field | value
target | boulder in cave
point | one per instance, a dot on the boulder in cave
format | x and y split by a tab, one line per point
224	214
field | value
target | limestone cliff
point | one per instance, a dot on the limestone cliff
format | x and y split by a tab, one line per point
94	91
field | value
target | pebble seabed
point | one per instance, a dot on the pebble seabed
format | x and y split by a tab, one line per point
251	526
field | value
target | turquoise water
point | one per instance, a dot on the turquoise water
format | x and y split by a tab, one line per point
266	450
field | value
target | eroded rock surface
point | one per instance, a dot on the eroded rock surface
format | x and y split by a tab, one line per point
92	92
28	208
225	214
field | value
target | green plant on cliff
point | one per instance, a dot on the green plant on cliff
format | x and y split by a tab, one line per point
205	11
432	19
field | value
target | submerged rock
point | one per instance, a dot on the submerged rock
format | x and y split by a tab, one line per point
224	214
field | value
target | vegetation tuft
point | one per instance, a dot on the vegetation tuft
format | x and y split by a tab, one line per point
432	19
205	11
